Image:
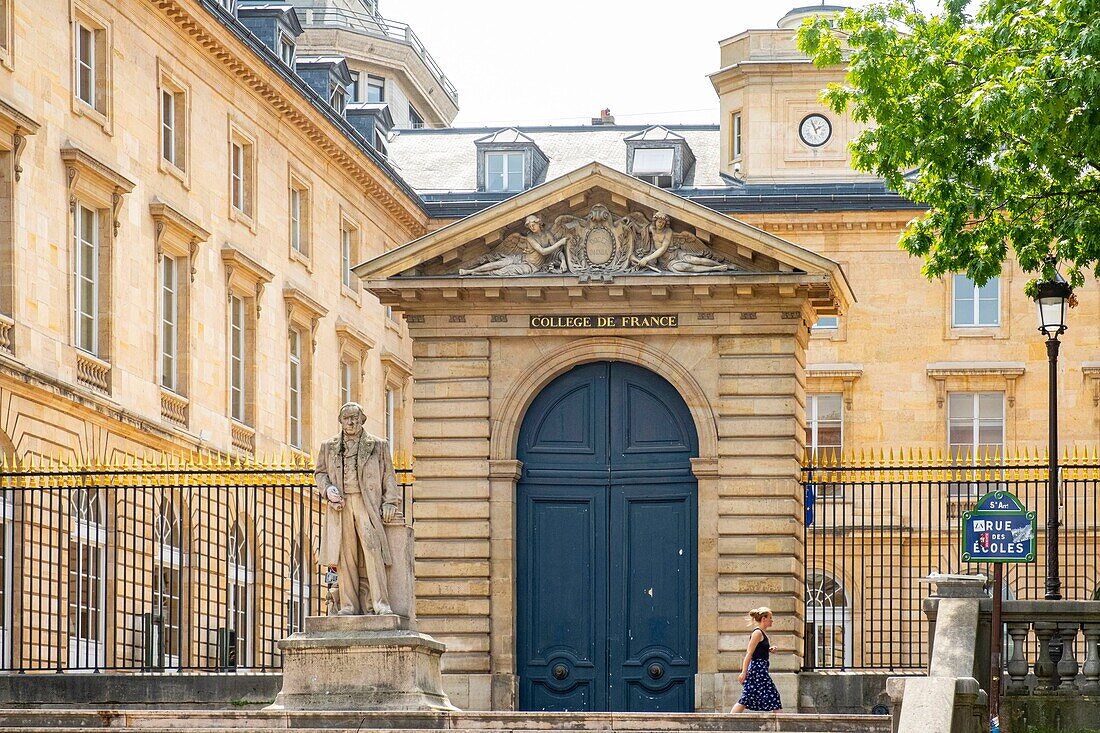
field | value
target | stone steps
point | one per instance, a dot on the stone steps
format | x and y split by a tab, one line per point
53	720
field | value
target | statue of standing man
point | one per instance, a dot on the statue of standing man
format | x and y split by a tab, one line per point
354	474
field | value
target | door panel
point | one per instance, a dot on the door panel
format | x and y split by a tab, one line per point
563	579
653	595
605	544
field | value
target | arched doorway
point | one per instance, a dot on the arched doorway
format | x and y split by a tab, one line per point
606	523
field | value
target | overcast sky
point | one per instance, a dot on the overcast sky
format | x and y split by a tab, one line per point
560	62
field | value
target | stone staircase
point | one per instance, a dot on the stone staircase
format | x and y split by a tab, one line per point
56	720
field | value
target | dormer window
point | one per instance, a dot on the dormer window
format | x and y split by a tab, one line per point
509	161
654	165
228	6
376	88
660	157
286	49
338	97
504	172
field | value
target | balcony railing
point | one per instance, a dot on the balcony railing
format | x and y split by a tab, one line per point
375	25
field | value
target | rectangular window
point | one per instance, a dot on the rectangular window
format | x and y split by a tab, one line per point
347	382
355	91
975	424
391	406
296	219
504	172
338	97
237	357
653	161
169	332
86	278
168	126
376	89
87	64
347	254
827	323
415	120
237	176
975	429
825	425
286	49
736	146
295	389
974	306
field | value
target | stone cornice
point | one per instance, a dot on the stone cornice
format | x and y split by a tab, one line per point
169	220
350	336
217	40
18	126
395	364
1003	372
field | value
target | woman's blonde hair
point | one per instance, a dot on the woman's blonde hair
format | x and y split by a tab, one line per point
756	615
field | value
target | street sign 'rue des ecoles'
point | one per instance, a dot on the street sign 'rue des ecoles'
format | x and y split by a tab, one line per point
998	529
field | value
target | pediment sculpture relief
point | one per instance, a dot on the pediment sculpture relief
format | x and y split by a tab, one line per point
599	243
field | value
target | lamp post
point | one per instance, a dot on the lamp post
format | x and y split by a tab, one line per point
1052	295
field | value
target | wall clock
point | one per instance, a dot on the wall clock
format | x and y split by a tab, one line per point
815	130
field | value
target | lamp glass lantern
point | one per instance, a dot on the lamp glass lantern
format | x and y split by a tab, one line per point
1052	297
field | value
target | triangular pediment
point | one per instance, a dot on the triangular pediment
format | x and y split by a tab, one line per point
597	223
655	133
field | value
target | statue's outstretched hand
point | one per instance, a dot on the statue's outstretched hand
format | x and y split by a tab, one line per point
389	511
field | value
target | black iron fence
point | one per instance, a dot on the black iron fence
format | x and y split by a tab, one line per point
199	564
877	526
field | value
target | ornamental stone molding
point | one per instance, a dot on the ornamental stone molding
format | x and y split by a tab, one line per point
599	243
88	177
15	127
1000	375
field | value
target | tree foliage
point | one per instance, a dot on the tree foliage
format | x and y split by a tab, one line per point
991	120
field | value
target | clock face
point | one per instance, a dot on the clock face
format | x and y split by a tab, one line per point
815	130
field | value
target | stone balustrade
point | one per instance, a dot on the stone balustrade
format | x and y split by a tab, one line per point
1071	664
93	372
6	327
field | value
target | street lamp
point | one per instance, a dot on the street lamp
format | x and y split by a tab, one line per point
1052	297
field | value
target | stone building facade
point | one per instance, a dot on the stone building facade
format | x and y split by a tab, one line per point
182	203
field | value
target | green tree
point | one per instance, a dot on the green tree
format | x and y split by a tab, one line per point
992	120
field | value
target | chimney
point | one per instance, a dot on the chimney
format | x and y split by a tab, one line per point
605	118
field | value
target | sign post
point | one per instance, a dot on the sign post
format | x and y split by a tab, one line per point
998	530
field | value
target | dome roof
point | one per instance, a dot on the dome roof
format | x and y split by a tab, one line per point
795	16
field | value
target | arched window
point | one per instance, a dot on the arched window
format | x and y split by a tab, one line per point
828	622
87	583
241	577
164	628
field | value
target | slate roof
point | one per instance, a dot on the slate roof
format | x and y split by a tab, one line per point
441	160
441	164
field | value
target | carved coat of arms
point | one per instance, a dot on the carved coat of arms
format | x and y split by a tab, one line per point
599	243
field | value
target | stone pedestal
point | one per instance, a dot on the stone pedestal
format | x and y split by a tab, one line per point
361	663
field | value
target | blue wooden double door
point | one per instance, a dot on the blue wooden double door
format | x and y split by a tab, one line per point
606	544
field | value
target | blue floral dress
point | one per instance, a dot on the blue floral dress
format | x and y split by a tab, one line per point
759	692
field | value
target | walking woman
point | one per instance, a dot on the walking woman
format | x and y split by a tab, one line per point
759	691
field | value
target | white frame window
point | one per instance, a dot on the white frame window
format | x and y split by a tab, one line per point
974	307
347	382
338	97
241	579
237	176
504	171
391	409
736	141
86	62
346	275
654	165
86	254
828	621
825	424
287	49
87	600
237	358
826	323
7	566
294	400
298	591
296	195
416	122
975	424
168	126
167	578
169	319
376	88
